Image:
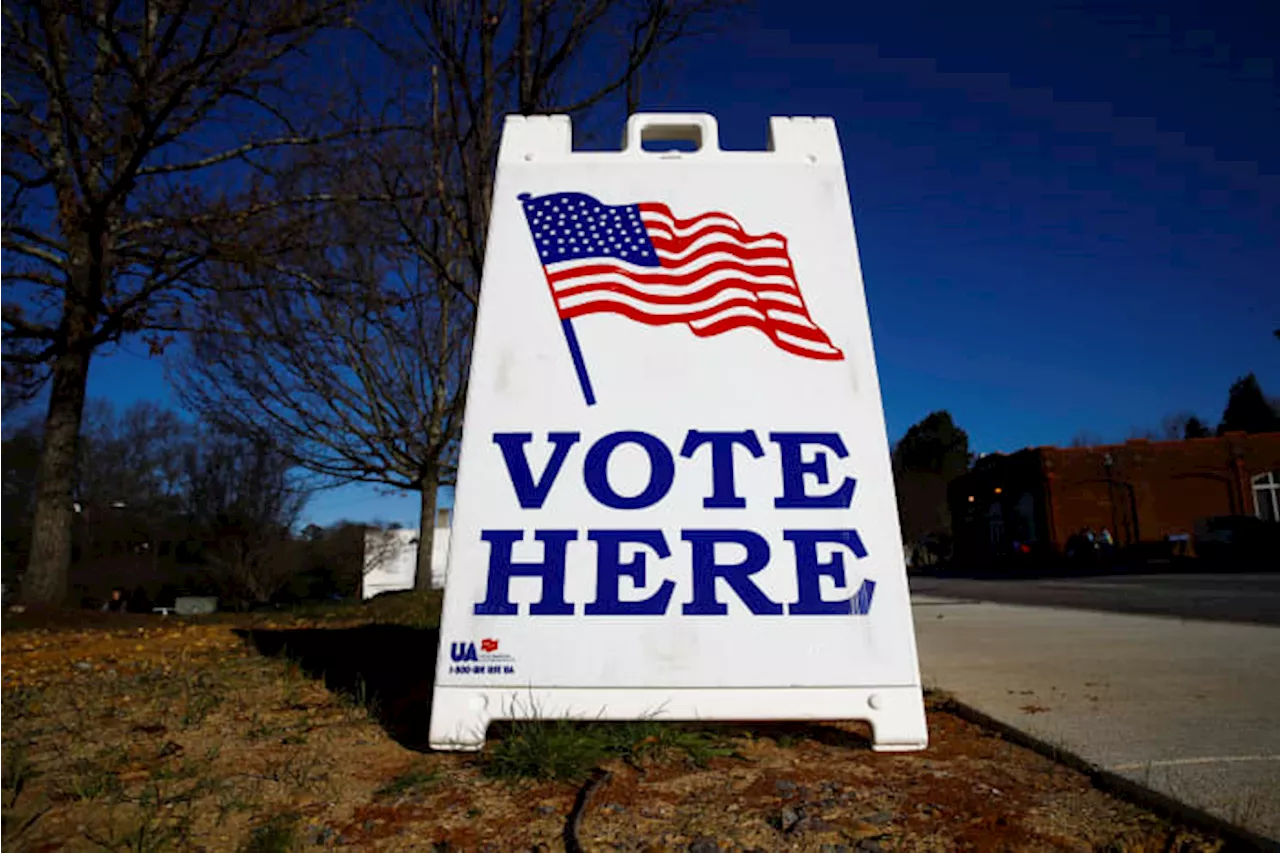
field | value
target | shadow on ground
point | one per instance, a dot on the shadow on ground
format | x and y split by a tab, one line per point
856	736
388	668
391	670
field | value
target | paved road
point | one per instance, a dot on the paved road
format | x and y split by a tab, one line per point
1228	598
1188	708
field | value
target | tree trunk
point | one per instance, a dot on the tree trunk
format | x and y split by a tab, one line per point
426	531
45	582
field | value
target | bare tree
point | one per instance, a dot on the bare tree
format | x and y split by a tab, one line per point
488	58
335	557
382	547
128	472
22	382
1086	438
351	355
243	500
136	141
353	359
358	352
1179	426
131	456
21	455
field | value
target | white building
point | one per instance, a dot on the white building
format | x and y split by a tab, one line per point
391	557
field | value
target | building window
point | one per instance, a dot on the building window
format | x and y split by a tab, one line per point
1266	496
1026	510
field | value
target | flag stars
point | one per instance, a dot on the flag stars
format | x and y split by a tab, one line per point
573	225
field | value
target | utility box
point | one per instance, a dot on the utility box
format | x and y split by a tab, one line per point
195	605
674	497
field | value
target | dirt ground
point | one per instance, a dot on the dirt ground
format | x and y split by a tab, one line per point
283	733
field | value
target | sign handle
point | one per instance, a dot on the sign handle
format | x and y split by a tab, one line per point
578	364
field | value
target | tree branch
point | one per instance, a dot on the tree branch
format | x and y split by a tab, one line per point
262	145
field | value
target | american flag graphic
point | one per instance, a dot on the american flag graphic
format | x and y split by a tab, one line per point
641	261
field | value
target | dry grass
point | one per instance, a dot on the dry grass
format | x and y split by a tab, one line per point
281	732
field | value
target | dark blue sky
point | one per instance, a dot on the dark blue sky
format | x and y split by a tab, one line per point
1068	216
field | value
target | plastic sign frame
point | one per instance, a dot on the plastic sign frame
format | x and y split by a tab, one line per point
674	496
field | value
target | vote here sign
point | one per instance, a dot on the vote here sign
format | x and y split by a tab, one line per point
674	496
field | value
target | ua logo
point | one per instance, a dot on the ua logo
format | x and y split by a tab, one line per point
463	651
489	646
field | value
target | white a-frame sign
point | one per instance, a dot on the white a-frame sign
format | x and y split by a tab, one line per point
674	497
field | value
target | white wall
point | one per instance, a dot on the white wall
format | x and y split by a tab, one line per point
390	558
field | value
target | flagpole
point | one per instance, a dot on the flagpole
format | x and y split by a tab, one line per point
570	336
579	365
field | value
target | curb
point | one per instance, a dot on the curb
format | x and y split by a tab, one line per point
1236	837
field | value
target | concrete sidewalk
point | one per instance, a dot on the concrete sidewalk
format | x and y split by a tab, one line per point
1188	708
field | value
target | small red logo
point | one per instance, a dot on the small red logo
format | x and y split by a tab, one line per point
488	645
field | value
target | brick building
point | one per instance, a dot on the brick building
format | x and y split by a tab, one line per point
1156	498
